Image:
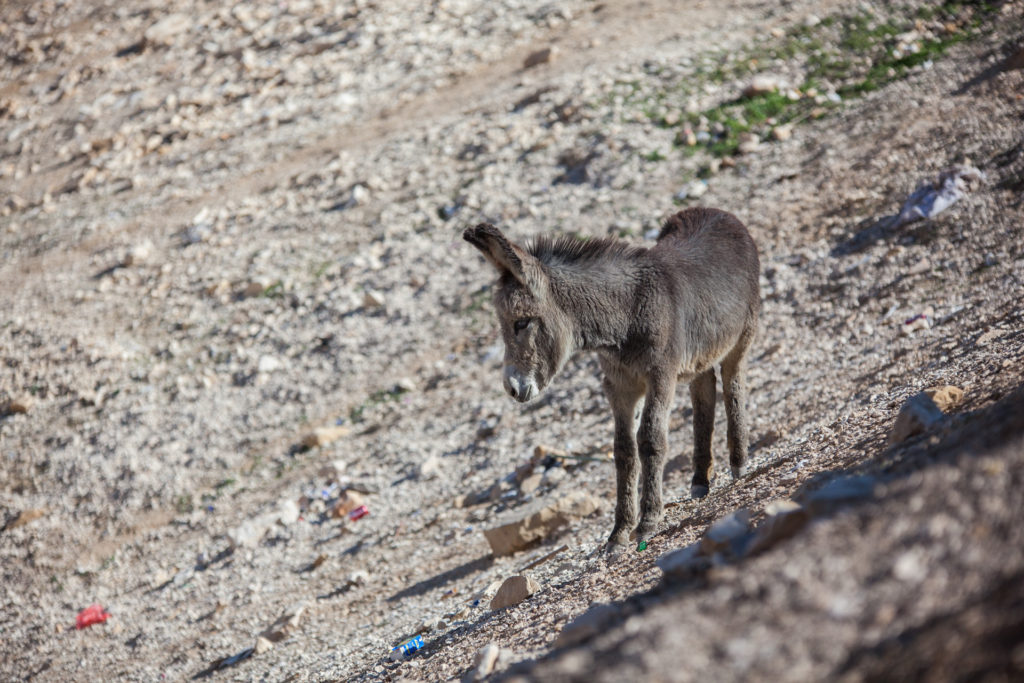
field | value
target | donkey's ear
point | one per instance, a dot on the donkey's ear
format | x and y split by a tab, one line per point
504	255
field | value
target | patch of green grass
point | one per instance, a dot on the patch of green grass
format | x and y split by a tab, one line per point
854	53
275	290
656	155
377	398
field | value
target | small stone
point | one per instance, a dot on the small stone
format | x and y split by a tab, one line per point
542	523
321	436
484	661
346	503
692	190
268	364
762	84
543	56
429	468
138	254
513	591
918	414
167	29
288	512
249	533
553	475
373	299
286	624
748	143
253	288
26	516
21	404
782	132
262	645
531	483
945	397
332	471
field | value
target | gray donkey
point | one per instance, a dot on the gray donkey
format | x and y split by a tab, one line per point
655	317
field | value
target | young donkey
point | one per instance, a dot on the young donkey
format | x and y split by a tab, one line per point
655	317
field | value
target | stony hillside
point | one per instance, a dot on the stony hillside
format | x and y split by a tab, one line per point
235	307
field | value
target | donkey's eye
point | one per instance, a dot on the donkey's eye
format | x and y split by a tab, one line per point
520	325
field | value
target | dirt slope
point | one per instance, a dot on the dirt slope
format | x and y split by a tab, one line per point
222	227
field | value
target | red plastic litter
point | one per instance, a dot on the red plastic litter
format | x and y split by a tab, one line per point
359	513
93	614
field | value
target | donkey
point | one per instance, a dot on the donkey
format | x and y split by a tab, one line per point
655	317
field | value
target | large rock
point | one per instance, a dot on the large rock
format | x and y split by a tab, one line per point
917	415
543	523
594	621
513	591
728	535
785	518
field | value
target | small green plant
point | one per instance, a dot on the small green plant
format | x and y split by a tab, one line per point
376	398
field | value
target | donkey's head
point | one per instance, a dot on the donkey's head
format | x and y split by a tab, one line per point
537	332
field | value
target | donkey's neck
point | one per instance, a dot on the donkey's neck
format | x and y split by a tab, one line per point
597	298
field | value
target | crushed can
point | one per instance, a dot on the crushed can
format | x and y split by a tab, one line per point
407	648
359	513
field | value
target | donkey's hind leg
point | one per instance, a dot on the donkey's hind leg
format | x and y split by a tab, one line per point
702	394
734	386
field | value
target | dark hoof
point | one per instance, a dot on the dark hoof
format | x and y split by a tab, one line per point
739	472
699	491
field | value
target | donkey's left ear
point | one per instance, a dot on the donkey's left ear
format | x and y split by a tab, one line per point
504	255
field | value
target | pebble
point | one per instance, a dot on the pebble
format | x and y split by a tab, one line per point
542	56
946	397
693	190
762	84
784	132
429	468
484	661
321	436
513	591
21	404
167	29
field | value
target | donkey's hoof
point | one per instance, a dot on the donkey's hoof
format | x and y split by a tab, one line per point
739	472
613	549
699	491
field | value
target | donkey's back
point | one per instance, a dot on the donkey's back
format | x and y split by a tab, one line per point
710	261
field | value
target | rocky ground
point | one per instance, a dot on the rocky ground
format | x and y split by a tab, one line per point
236	306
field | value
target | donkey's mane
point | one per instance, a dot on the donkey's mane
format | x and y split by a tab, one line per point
569	250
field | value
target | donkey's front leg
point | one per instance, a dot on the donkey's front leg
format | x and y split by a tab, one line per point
623	395
653	446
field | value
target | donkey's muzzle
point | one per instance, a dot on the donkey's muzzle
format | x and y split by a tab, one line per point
518	387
